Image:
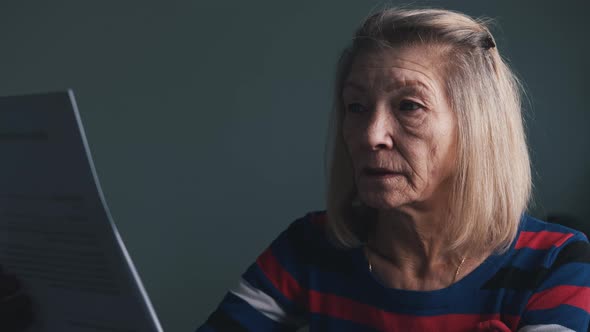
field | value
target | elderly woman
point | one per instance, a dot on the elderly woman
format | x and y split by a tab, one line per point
428	183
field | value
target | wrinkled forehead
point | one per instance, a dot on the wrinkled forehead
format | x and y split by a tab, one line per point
391	68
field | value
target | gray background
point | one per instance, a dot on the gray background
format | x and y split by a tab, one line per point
207	120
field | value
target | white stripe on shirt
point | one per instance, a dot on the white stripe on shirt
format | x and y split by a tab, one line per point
265	304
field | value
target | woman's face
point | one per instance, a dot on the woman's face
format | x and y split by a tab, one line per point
399	129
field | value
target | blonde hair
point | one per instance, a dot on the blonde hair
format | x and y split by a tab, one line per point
492	184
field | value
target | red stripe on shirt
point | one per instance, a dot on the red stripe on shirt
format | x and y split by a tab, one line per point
576	296
541	240
281	279
343	308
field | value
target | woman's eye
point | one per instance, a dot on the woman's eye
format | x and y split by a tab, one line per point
355	108
408	105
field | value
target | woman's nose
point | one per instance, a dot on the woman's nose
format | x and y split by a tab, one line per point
379	130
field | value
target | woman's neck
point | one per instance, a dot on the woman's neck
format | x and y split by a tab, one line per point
416	239
409	251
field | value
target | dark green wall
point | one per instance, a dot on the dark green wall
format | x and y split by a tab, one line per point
207	119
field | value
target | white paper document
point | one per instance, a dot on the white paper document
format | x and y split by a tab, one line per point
56	232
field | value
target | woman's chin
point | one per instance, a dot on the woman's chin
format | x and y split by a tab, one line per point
383	201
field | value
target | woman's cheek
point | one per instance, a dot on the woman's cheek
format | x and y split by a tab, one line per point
349	137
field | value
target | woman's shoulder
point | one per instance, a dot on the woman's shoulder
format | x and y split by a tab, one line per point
545	244
542	235
311	227
305	245
552	262
542	256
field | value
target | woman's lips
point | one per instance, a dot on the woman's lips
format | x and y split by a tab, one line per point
383	176
380	173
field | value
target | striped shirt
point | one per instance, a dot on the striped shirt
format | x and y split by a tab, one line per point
541	284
